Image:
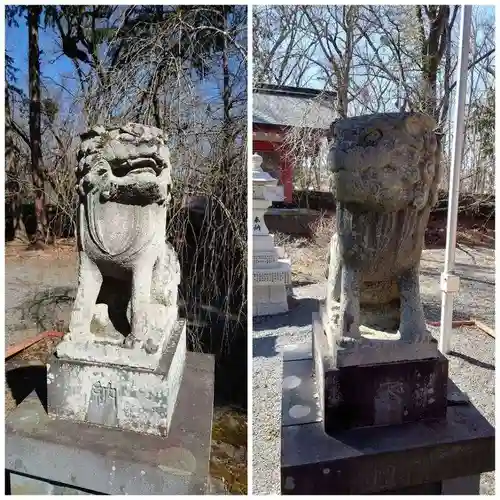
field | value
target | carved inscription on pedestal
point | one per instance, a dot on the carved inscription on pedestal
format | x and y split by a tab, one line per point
103	405
389	402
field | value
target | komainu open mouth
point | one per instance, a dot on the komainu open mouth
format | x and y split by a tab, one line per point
136	167
142	170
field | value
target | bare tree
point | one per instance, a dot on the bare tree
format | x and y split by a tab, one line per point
35	126
13	187
383	59
280	51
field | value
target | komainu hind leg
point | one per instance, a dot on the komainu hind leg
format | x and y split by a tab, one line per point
166	278
334	271
412	327
350	312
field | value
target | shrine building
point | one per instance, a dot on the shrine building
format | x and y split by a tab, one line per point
277	110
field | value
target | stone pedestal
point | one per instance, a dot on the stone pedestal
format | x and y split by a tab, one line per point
271	267
377	393
426	456
140	399
51	456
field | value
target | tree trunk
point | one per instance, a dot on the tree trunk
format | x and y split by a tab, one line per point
432	51
13	188
38	174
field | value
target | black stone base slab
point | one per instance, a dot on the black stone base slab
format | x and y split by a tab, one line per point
378	395
126	397
428	457
467	485
62	456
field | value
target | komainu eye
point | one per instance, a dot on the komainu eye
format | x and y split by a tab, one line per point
371	137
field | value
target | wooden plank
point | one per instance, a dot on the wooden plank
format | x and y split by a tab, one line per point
485	328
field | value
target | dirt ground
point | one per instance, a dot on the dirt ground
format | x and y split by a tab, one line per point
40	289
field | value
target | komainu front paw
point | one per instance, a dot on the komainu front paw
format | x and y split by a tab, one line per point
130	342
347	342
151	346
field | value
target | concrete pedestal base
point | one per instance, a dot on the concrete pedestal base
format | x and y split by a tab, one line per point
53	456
427	457
117	395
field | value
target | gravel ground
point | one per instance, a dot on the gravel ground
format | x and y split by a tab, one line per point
471	362
476	298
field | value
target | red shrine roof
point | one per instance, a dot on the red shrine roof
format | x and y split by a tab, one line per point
281	106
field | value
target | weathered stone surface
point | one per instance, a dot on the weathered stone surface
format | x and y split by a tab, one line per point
126	266
110	349
18	484
386	170
380	394
301	403
130	398
99	460
372	347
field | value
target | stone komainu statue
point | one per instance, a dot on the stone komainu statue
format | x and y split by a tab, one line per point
123	179
386	170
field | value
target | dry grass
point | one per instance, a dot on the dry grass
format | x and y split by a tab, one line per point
228	461
309	254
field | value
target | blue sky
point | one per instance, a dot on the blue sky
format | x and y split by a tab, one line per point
53	67
57	69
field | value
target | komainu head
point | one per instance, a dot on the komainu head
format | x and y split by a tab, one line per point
386	162
131	150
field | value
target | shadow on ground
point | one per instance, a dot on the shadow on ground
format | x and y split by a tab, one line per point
300	314
463	271
303	282
22	378
265	347
209	331
471	360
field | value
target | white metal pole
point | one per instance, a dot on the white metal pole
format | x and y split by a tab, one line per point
449	281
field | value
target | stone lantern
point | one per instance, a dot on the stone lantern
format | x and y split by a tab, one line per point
271	267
